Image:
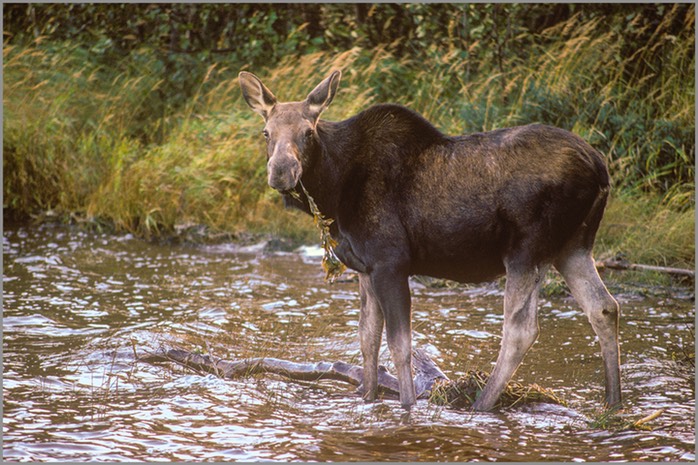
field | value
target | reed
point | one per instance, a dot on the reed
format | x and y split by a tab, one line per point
462	392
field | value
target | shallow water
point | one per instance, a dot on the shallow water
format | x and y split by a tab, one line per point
79	308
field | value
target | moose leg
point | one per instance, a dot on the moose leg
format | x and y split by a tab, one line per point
392	290
601	309
519	332
370	333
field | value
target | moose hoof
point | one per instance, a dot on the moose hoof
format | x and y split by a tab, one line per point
369	397
613	407
479	406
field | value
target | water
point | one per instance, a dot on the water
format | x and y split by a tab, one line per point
79	308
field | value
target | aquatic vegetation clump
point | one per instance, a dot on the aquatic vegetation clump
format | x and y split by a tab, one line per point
462	392
613	420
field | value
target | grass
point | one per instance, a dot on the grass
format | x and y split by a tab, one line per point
647	230
99	142
613	420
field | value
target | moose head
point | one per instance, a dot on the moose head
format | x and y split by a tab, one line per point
290	128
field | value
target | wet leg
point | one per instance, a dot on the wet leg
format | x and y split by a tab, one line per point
520	330
370	334
579	271
392	291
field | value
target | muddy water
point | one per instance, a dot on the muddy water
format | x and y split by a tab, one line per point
80	308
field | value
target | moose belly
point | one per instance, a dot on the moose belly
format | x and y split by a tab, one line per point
468	249
467	265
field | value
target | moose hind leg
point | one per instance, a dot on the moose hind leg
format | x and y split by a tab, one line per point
579	271
370	334
519	332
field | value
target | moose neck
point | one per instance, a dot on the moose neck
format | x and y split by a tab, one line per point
326	174
347	150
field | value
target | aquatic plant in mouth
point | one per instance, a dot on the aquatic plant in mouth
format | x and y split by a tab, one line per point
331	264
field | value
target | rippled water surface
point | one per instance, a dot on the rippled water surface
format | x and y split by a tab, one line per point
80	308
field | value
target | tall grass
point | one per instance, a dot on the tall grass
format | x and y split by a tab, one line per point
67	124
82	137
645	230
211	168
578	78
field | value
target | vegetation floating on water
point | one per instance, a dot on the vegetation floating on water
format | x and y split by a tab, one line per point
613	420
462	392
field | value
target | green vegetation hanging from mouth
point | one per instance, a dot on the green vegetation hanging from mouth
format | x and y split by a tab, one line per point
331	264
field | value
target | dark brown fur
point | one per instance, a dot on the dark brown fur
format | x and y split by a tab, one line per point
408	200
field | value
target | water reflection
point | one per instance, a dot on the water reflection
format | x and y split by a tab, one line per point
79	308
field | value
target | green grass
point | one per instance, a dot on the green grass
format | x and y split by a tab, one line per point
100	142
646	230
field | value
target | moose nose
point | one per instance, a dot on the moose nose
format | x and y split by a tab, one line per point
283	172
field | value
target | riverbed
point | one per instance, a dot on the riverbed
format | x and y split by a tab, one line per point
80	308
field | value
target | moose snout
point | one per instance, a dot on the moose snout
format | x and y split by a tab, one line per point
283	172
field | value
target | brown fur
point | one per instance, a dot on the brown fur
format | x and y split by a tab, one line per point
408	200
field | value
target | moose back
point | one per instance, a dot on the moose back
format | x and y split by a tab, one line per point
407	199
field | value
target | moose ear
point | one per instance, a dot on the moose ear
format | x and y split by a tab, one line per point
256	94
321	97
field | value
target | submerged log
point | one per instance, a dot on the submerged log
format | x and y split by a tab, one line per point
426	370
430	382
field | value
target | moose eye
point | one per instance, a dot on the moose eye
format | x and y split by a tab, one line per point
308	134
266	134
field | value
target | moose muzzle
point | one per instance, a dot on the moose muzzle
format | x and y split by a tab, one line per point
284	171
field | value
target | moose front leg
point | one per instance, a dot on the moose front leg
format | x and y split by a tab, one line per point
370	334
392	291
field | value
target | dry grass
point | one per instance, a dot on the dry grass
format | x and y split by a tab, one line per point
461	393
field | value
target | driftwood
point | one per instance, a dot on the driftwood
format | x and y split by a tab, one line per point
430	382
620	264
426	370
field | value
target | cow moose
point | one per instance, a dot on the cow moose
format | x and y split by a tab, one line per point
409	200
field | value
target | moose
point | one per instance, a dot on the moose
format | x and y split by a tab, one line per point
408	200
